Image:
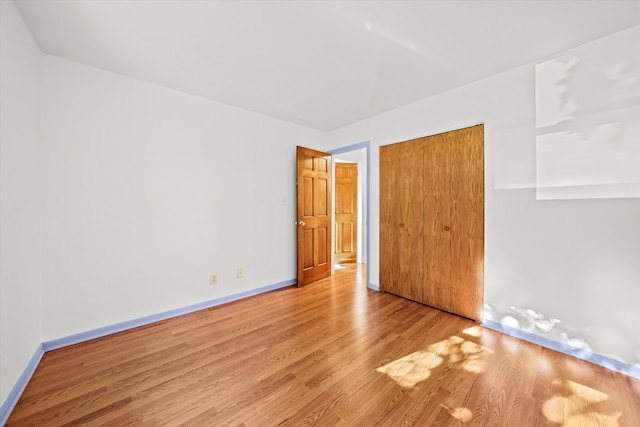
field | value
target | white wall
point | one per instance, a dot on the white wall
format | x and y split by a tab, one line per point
570	254
147	191
20	199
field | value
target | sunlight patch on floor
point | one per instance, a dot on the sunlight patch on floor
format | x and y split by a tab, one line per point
412	369
416	367
474	331
460	414
577	407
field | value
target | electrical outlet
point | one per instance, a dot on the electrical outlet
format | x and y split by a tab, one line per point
240	273
213	279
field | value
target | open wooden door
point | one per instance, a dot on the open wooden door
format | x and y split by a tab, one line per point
313	169
346	212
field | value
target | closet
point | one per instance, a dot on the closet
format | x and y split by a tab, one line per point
432	220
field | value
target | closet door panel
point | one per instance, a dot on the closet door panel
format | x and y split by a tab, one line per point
401	219
466	163
437	223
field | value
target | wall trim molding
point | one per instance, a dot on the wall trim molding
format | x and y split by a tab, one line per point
13	397
142	321
586	355
15	393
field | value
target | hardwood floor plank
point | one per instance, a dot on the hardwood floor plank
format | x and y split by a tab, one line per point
332	353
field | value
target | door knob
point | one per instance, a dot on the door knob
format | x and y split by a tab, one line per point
301	223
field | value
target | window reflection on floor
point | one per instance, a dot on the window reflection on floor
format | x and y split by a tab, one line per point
572	403
461	414
454	352
578	405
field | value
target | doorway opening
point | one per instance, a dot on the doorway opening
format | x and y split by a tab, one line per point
357	154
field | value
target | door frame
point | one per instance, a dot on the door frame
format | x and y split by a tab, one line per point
366	145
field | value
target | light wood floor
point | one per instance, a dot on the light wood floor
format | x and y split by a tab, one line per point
332	353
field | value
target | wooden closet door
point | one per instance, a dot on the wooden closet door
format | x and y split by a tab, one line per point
454	221
401	219
436	193
466	165
432	220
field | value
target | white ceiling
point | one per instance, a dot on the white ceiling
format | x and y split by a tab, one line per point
320	64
